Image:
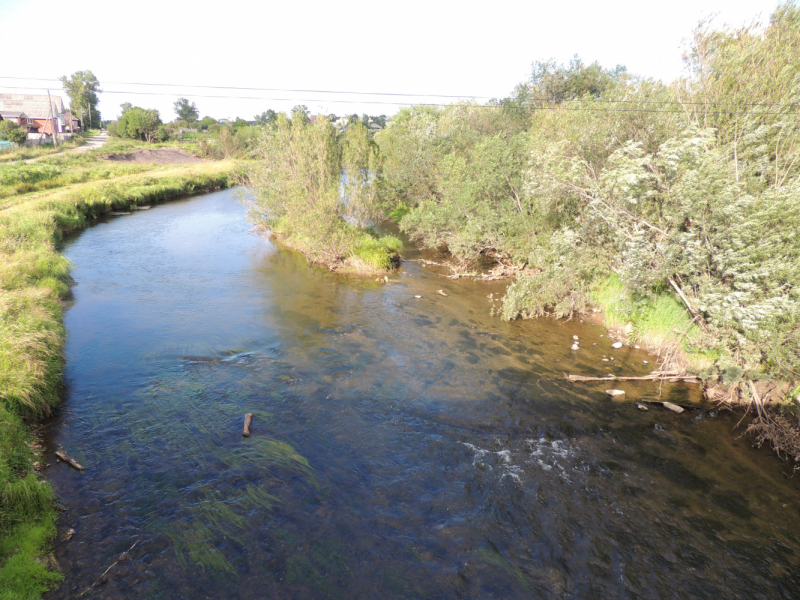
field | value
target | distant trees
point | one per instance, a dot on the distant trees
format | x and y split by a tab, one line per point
186	110
206	123
82	88
139	124
301	113
267	117
240	124
12	132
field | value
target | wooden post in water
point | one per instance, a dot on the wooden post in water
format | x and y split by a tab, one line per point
248	420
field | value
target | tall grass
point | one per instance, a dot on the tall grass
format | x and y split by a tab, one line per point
659	322
34	280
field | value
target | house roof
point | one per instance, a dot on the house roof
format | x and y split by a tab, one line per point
34	106
12	114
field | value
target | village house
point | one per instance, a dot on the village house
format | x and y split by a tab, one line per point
42	114
18	118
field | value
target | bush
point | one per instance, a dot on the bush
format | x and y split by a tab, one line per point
12	132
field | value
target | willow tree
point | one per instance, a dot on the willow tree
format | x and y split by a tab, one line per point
318	190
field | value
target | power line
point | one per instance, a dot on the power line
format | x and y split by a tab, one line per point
252	89
547	104
392	94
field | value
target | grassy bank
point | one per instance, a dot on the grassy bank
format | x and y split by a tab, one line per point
659	323
34	280
368	253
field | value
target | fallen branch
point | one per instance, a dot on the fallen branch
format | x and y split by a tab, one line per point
651	377
248	420
70	461
121	558
695	315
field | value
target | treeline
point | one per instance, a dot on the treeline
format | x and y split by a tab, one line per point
587	174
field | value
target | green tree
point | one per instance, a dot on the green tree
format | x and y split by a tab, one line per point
141	124
267	117
186	110
300	113
240	124
207	122
12	132
82	88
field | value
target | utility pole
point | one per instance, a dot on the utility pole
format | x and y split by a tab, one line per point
52	121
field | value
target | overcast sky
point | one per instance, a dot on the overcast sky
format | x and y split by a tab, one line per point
446	47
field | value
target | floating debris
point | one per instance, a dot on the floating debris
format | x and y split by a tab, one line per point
615	393
441	293
673	407
616	345
642	407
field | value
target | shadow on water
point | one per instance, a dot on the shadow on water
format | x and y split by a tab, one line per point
401	448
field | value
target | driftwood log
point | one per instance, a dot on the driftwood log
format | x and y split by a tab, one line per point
248	421
70	461
652	377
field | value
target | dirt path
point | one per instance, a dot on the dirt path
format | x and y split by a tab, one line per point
91	143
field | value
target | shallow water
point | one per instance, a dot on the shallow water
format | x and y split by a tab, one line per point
401	448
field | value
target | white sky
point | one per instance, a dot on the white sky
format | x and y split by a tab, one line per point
416	46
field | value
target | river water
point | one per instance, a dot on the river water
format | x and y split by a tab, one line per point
402	447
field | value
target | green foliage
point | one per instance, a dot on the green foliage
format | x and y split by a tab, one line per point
240	124
703	198
186	111
141	124
82	88
318	192
550	82
207	122
12	132
268	117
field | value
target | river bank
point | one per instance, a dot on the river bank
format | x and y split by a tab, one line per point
34	283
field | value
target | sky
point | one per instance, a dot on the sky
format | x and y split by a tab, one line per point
299	53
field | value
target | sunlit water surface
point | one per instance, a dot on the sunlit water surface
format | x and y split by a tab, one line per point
401	448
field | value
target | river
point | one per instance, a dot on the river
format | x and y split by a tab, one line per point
402	447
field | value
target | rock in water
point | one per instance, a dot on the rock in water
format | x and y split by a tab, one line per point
673	407
417	296
441	292
641	407
575	337
615	393
574	346
616	345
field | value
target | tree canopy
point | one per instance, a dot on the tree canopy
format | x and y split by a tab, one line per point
140	124
186	110
82	88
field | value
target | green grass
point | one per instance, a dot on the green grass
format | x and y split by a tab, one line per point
376	253
27	152
656	322
115	144
34	281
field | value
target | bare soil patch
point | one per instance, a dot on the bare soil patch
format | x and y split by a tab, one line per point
159	156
